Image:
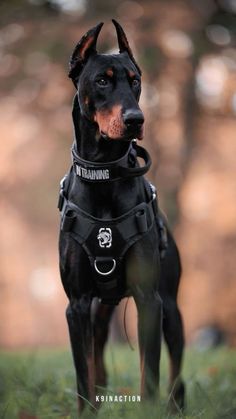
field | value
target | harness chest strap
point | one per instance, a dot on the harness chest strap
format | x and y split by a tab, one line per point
106	241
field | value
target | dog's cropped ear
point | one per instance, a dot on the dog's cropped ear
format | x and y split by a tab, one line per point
82	51
123	43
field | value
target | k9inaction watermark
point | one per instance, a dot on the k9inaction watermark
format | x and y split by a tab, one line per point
119	398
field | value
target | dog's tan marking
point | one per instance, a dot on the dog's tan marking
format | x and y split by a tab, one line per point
109	72
110	122
131	74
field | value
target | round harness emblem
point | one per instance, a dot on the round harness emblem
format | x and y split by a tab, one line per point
104	237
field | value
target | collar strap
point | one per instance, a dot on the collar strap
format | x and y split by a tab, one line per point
126	166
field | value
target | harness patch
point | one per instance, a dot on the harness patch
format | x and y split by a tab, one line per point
92	174
105	237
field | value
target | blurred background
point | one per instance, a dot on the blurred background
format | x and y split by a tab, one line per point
186	50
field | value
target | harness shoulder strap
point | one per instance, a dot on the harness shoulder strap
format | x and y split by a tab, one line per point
87	228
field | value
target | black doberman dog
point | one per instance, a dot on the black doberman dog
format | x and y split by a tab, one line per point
111	237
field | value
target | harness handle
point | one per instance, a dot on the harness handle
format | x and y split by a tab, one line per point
138	170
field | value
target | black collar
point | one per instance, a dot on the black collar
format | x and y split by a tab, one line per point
126	166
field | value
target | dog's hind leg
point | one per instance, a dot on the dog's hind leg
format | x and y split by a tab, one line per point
81	337
174	337
101	328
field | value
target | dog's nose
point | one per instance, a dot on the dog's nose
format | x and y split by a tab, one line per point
133	118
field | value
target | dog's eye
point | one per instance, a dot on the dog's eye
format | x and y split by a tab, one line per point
135	83
102	82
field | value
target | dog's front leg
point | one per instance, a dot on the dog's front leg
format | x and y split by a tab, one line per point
81	337
101	329
149	308
143	273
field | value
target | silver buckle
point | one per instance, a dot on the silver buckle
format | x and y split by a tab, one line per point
154	191
62	182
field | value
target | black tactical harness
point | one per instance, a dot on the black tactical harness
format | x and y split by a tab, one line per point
107	240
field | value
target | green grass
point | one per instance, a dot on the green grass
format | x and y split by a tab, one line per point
42	385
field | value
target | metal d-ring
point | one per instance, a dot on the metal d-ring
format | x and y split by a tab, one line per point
105	273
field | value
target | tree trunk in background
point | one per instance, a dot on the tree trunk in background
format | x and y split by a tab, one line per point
207	228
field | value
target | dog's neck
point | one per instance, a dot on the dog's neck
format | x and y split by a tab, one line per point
94	149
89	143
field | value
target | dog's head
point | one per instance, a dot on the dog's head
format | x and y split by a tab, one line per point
108	86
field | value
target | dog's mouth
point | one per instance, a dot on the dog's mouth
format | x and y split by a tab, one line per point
134	132
127	136
122	132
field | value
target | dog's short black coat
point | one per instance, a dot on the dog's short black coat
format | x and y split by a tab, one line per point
106	118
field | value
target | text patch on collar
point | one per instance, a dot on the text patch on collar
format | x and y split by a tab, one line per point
92	174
